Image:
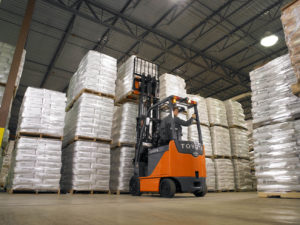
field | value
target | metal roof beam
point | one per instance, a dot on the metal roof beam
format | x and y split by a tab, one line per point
61	45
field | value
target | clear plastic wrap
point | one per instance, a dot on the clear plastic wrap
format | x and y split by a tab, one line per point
224	174
290	18
97	72
124	124
272	98
235	114
170	84
36	164
121	168
42	111
242	175
239	142
202	109
193	136
124	83
277	161
6	57
216	112
86	166
210	174
6	163
220	140
90	116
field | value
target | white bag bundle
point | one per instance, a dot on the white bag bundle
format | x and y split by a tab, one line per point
42	111
170	84
36	164
239	142
272	98
206	138
202	109
90	116
242	174
124	124
86	166
210	174
121	168
235	114
250	133
126	71
6	57
6	162
277	161
216	112
224	174
97	72
220	140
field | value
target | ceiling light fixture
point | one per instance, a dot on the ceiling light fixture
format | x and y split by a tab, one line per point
269	39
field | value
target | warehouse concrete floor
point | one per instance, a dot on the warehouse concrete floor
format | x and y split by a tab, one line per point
215	208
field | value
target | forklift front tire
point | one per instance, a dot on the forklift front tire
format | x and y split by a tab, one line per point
201	193
134	186
167	188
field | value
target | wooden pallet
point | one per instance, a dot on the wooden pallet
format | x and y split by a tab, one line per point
279	195
122	144
39	135
238	127
240	157
129	97
91	192
118	192
221	157
243	190
84	138
89	91
296	88
29	191
218	125
223	190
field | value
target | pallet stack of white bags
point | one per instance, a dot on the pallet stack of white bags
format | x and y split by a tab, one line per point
86	153
36	160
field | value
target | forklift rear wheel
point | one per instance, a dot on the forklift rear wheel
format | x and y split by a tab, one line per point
201	193
167	188
134	186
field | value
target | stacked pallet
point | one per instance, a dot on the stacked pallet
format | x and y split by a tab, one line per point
6	163
276	128
251	153
127	72
242	175
210	174
224	175
36	161
87	136
170	84
124	121
290	21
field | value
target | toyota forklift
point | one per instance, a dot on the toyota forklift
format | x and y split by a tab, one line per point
175	166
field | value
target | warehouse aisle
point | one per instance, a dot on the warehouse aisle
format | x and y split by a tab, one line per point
215	208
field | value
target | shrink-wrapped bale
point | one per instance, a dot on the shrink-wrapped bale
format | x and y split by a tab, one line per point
202	109
90	116
96	72
124	124
126	74
206	138
170	84
210	174
242	174
86	166
272	98
121	168
6	57
290	18
250	133
239	142
6	163
216	112
42	111
220	140
235	114
36	164
224	174
277	162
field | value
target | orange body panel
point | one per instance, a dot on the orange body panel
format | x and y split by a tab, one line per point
173	164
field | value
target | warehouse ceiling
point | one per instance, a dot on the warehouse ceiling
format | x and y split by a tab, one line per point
212	44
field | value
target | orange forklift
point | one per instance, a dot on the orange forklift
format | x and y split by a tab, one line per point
160	166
